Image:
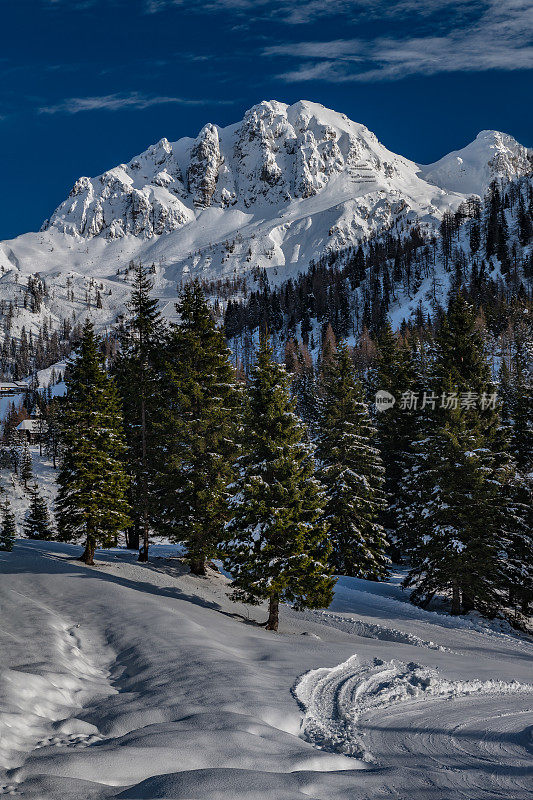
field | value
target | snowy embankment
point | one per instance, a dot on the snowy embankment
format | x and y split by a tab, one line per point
141	681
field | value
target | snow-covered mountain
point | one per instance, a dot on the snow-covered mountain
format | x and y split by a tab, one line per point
273	191
470	171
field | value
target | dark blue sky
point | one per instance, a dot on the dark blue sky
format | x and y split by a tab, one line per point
87	84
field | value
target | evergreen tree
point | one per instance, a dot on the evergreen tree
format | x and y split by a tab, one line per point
197	430
454	516
395	425
518	393
351	471
26	465
8	529
52	417
521	399
135	375
277	546
91	501
304	389
37	522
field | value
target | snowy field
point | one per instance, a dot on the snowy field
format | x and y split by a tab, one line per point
142	681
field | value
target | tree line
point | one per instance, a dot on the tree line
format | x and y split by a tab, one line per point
291	479
484	248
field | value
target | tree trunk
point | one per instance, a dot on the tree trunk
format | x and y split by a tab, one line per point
132	539
198	566
143	552
468	603
88	554
273	614
456	600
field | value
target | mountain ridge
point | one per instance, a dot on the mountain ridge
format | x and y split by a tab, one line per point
282	172
273	192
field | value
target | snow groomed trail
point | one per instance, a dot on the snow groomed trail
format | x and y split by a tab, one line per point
141	682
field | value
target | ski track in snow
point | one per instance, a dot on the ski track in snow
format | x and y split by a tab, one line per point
409	710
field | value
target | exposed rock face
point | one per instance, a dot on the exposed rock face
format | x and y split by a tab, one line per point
205	162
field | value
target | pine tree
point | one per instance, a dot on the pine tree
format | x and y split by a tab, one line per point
26	465
197	431
91	502
395	425
351	472
277	546
8	529
135	375
518	393
52	417
37	522
304	389
454	518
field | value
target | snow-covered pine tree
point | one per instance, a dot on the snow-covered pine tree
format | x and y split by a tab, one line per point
395	426
37	523
518	406
454	519
521	398
197	430
277	547
135	376
351	471
8	527
304	389
26	464
457	519
91	503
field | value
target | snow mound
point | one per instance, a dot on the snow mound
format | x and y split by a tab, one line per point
337	699
368	630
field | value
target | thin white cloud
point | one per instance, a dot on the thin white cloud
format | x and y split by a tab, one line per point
119	101
298	12
500	38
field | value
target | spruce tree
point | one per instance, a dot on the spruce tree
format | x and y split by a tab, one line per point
351	472
26	465
37	522
454	518
135	375
197	430
91	502
8	528
518	393
395	425
277	548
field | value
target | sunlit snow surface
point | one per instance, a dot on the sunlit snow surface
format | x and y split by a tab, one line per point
141	681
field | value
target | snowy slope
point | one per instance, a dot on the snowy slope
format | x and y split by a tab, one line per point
490	156
141	681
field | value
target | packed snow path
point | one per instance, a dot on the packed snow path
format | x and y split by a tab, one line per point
141	681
